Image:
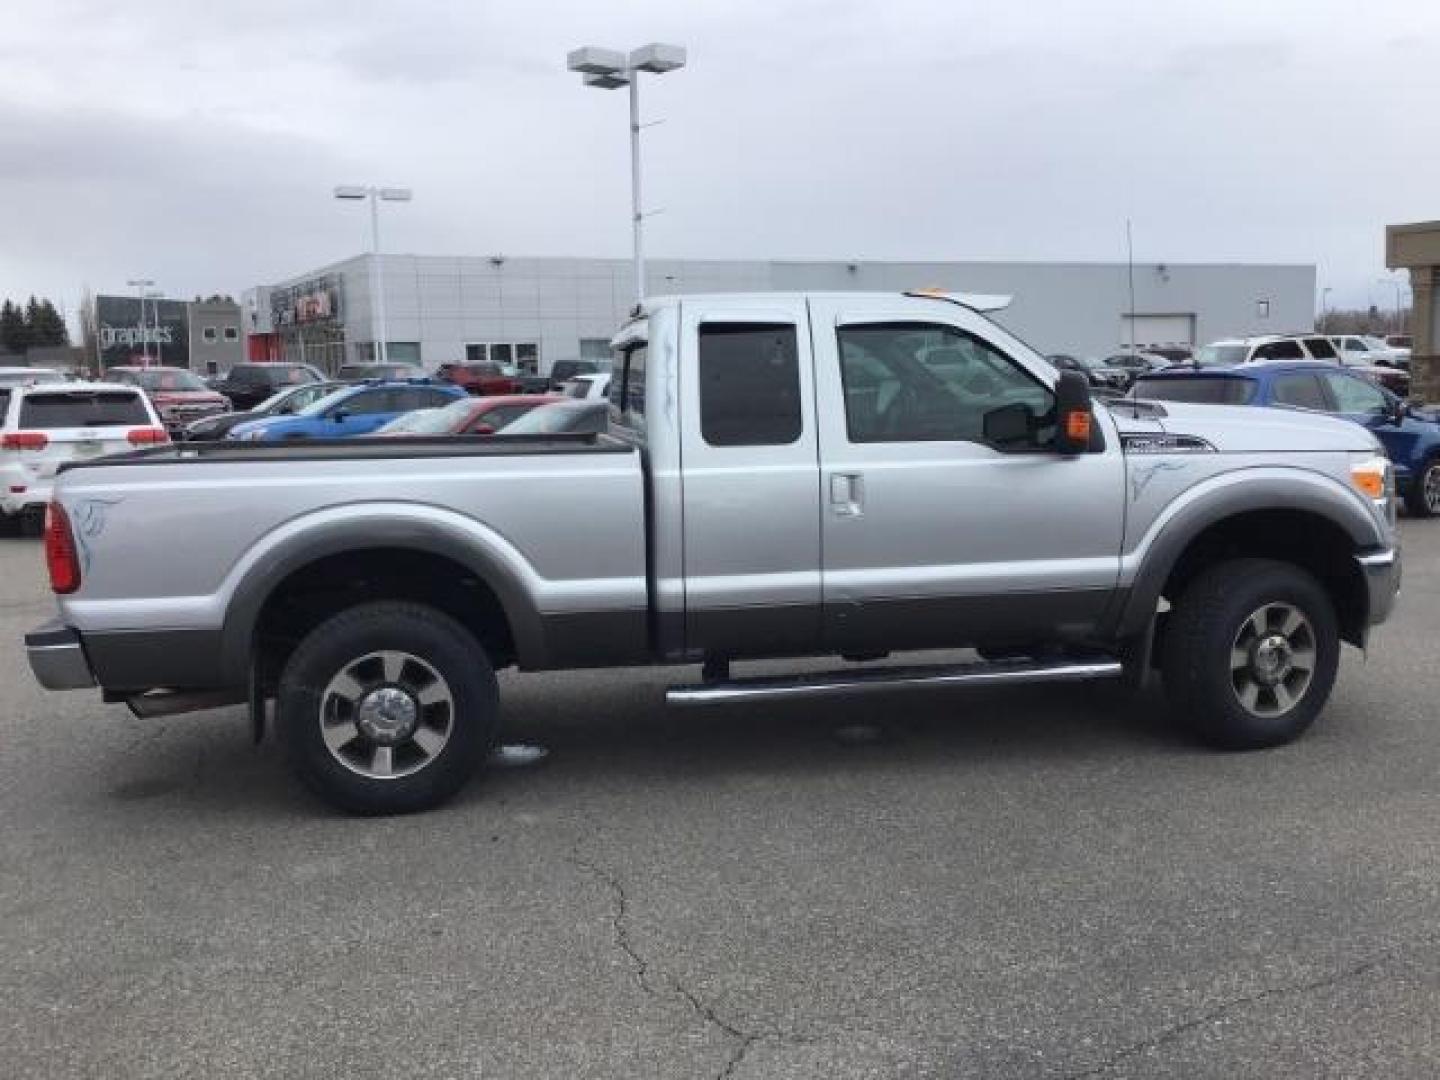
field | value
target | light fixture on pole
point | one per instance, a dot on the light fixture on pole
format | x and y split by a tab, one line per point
140	285
376	195
610	69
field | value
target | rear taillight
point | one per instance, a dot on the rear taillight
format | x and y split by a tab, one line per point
145	436
60	555
24	440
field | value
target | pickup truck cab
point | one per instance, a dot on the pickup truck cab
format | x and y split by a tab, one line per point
784	475
354	409
1410	437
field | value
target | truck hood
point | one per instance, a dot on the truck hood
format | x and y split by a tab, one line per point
1243	429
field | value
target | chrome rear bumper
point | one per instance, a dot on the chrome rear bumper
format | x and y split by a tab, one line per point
57	657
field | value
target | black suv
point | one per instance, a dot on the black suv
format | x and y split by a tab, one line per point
246	385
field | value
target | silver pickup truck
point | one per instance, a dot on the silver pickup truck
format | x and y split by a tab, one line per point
784	475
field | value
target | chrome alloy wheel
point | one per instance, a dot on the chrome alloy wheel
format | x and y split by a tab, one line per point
1431	488
386	714
1272	661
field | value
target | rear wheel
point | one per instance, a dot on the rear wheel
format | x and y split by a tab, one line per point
1250	653
1422	499
387	708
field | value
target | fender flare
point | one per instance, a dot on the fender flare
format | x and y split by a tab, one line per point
358	527
1230	495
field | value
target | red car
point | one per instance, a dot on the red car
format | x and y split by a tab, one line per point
480	379
178	394
481	416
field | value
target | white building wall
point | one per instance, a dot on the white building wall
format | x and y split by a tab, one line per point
445	302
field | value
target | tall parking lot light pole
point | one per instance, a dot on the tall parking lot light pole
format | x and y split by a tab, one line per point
140	285
1399	286
376	195
610	69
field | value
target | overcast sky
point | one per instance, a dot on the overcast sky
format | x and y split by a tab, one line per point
198	143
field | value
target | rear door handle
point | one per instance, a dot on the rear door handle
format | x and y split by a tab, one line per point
847	494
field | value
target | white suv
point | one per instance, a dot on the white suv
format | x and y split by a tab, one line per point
44	425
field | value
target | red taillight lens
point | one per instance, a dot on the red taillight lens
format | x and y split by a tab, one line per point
25	440
144	436
60	555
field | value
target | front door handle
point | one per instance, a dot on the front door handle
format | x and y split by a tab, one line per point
847	494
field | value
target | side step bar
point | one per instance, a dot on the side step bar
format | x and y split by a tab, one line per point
869	680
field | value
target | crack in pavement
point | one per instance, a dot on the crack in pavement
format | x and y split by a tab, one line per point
1177	1031
641	970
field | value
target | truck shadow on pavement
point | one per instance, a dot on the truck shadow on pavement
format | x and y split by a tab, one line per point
622	734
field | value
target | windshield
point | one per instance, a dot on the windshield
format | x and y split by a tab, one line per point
432	421
1201	390
547	419
1220	355
169	380
294	396
318	406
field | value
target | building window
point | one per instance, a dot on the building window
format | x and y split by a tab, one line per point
232	333
1262	309
596	349
208	334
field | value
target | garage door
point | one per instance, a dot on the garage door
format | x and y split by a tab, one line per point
1158	329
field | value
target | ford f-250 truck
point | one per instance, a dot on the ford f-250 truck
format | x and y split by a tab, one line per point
785	475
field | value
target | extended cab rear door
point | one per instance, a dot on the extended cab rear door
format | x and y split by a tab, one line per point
933	536
751	503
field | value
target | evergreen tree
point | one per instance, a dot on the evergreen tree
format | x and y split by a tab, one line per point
14	336
49	326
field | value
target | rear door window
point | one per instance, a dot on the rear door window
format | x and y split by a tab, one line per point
1204	390
1320	348
39	412
749	384
1301	390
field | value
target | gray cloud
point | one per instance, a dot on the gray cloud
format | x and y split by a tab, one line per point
198	143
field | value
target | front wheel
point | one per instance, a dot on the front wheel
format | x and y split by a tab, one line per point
1422	498
1250	653
386	708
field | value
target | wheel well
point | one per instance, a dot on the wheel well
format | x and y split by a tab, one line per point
314	592
1307	540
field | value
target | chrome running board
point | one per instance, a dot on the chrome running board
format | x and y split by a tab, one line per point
871	680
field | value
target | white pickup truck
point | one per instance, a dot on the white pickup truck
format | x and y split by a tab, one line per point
784	475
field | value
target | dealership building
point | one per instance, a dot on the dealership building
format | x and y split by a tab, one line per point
535	311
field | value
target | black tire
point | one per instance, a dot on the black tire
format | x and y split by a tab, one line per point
1417	502
307	706
1212	621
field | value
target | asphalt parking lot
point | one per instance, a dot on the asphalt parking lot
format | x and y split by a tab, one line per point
1041	883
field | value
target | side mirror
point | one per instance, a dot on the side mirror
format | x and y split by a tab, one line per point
1074	416
1008	425
483	429
339	416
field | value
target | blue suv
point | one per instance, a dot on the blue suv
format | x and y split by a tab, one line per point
354	410
1411	438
